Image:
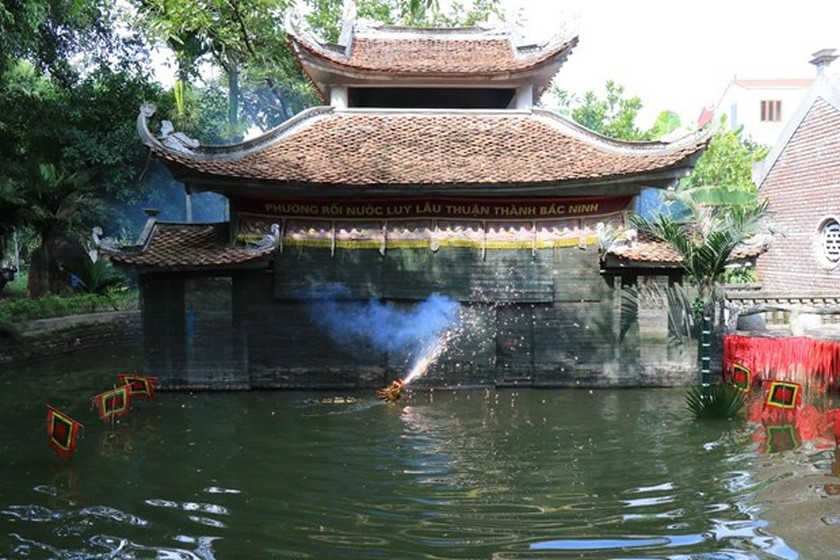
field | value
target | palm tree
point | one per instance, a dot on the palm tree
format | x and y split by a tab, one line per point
56	202
704	237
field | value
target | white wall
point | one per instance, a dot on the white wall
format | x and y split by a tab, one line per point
742	106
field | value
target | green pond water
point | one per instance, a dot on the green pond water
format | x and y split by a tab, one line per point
445	474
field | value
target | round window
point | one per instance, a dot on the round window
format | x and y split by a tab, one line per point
830	237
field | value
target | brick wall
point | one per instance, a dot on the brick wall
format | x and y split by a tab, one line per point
804	189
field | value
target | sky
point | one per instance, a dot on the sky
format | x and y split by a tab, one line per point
680	55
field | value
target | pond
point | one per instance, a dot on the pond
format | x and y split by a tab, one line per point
445	474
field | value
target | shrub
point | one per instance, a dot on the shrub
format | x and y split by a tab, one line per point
717	400
13	311
96	277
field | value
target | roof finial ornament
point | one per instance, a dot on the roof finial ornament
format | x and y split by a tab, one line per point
106	244
348	18
176	140
147	109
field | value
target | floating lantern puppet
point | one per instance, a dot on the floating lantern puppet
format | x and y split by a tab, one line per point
62	431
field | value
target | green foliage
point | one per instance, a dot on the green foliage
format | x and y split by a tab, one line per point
50	33
613	115
56	200
243	39
14	311
16	288
264	84
326	14
740	275
704	236
98	277
715	401
723	174
84	135
666	123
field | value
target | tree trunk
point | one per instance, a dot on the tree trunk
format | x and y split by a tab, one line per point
48	271
38	282
233	97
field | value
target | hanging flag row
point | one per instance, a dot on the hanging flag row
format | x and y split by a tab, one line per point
63	430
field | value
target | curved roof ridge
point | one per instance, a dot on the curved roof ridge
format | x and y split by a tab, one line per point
377	147
190	246
230	151
523	57
644	147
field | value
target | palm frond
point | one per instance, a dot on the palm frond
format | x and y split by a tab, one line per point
715	401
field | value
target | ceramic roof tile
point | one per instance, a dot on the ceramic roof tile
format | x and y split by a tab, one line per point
367	148
439	51
425	56
188	246
652	250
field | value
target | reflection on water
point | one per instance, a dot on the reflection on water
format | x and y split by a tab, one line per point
449	474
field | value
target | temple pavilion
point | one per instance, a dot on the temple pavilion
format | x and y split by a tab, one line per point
428	170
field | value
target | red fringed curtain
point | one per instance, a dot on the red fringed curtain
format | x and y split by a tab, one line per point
778	358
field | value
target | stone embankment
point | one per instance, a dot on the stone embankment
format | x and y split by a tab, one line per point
46	338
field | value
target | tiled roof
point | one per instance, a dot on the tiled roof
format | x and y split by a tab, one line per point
433	54
775	83
380	147
188	246
651	250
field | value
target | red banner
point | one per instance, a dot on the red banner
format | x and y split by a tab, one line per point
62	431
141	386
492	209
114	403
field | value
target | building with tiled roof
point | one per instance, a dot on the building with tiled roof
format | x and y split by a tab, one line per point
764	106
800	178
428	171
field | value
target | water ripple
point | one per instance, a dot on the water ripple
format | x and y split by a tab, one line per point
112	514
32	513
107	547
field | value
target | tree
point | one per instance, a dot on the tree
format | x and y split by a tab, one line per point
704	237
246	39
84	131
55	34
614	115
723	174
326	15
55	202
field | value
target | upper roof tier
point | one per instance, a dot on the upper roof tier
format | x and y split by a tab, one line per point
378	53
349	151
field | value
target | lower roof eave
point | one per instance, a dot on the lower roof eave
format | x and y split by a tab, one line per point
235	186
204	270
612	263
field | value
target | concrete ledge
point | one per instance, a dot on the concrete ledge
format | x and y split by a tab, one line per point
45	338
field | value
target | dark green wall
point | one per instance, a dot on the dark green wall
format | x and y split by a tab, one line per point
548	318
